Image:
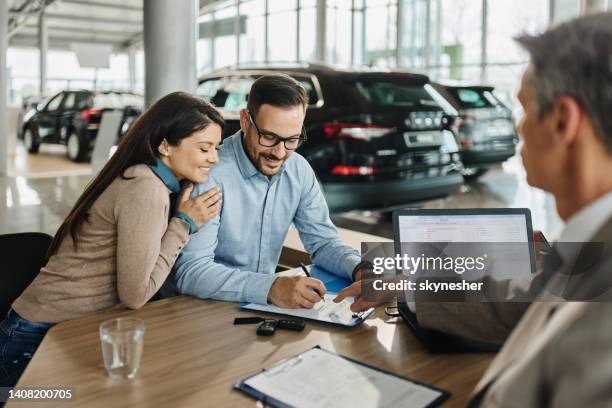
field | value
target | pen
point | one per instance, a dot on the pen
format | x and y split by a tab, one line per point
308	274
305	270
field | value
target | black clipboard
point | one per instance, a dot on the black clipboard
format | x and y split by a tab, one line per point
265	399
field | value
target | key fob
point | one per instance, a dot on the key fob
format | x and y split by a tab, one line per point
248	320
267	328
291	324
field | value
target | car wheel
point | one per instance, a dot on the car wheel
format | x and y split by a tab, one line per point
76	148
30	141
473	173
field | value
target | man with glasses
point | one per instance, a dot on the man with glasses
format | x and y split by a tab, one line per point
266	187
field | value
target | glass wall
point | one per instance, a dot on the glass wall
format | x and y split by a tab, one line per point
449	40
456	40
63	72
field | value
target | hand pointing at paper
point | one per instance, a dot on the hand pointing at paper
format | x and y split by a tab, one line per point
359	303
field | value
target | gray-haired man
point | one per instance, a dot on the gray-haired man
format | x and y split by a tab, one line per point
559	353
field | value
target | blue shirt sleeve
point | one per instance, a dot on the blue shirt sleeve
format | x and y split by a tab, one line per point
197	274
318	233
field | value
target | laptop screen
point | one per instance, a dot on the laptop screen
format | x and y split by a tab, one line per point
506	236
463	228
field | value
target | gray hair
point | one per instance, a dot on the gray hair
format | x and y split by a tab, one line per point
575	59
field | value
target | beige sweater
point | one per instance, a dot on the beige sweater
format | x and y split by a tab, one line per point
126	251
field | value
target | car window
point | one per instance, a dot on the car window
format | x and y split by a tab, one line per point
69	101
313	97
208	88
54	103
394	93
81	100
471	98
232	92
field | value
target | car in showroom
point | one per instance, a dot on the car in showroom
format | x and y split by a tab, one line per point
377	140
73	118
485	130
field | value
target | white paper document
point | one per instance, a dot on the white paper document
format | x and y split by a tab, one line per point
319	378
325	310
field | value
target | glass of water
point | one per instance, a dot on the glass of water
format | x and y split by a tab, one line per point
122	340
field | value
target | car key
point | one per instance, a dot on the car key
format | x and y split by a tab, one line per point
248	320
291	324
267	328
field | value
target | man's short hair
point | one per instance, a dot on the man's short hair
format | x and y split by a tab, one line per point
277	90
575	59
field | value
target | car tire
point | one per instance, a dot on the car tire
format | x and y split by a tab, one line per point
471	173
76	147
30	141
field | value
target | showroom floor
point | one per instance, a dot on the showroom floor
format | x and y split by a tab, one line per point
35	202
49	161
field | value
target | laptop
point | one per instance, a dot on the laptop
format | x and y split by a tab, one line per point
489	225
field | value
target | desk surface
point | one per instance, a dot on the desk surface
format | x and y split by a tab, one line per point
193	354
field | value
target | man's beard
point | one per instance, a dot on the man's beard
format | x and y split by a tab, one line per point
269	156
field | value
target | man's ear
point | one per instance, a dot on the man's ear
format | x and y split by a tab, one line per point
244	120
164	148
566	117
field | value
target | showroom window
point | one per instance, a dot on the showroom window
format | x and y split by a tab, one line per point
252	46
380	25
282	35
339	22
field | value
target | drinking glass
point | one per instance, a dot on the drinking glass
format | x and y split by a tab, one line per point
122	341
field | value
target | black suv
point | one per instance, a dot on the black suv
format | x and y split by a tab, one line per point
73	118
486	132
376	140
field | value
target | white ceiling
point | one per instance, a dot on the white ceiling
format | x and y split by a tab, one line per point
114	22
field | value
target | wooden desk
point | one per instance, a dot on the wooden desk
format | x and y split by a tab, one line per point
193	354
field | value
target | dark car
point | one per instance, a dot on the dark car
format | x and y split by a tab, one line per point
73	118
376	140
486	132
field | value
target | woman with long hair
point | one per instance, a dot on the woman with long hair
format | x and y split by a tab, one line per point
123	235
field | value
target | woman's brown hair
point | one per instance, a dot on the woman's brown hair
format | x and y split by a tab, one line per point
173	117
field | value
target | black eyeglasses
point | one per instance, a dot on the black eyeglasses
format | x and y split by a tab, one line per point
269	139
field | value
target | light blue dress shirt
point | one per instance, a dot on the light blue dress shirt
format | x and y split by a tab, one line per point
234	256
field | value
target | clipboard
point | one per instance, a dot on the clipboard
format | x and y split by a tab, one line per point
333	284
342	317
435	396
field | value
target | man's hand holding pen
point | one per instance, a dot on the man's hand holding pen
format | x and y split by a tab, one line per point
294	292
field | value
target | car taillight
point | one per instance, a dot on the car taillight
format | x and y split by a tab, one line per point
89	112
353	170
466	143
359	131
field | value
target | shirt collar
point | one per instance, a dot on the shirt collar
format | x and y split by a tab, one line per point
583	225
246	166
166	176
